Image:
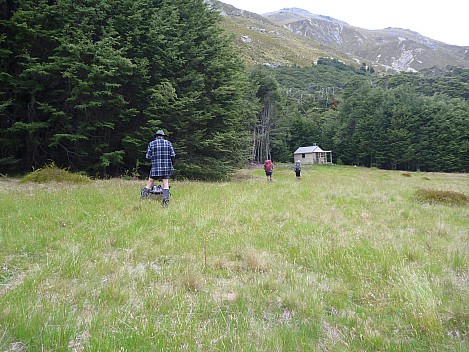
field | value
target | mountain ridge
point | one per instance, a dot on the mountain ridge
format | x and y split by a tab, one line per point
312	36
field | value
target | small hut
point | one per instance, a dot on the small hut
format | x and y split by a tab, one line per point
313	155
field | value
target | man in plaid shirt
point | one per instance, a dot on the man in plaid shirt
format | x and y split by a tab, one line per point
161	153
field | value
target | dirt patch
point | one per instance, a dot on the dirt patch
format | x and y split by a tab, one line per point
8	184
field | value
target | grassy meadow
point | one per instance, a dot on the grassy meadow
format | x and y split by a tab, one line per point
347	259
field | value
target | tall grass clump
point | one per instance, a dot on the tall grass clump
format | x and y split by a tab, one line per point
442	197
51	172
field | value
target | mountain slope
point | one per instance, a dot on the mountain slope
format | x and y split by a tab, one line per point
391	48
261	41
293	36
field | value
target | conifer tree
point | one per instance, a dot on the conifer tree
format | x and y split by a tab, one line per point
87	83
207	118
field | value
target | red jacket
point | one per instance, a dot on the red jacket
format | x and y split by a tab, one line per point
268	165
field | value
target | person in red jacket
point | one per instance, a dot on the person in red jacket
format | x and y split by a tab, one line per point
268	168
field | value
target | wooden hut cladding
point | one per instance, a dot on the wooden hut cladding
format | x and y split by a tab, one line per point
313	155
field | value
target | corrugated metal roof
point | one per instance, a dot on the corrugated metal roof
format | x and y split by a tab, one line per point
306	150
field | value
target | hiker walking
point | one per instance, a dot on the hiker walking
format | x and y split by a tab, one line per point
268	168
161	153
297	168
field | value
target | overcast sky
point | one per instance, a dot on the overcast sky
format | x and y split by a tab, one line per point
446	21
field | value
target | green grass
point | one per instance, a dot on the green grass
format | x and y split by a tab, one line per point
347	259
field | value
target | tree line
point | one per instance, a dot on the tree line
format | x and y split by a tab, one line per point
409	121
85	84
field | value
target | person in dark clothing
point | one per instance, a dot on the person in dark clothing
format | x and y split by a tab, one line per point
297	168
161	153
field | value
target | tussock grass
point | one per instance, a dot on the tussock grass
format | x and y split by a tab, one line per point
51	172
443	197
345	259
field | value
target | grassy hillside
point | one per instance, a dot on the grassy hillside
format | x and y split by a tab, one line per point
268	43
345	259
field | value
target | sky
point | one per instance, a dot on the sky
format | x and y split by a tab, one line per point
446	21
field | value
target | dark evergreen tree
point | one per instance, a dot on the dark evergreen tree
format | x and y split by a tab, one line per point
87	83
351	112
445	135
28	36
207	117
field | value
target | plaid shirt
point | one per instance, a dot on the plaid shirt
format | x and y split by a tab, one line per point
160	152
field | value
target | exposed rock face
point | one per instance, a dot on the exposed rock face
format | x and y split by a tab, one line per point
391	48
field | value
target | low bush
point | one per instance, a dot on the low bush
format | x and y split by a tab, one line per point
51	172
438	196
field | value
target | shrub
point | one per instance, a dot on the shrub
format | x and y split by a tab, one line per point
51	172
438	196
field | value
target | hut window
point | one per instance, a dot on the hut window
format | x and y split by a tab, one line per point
303	156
